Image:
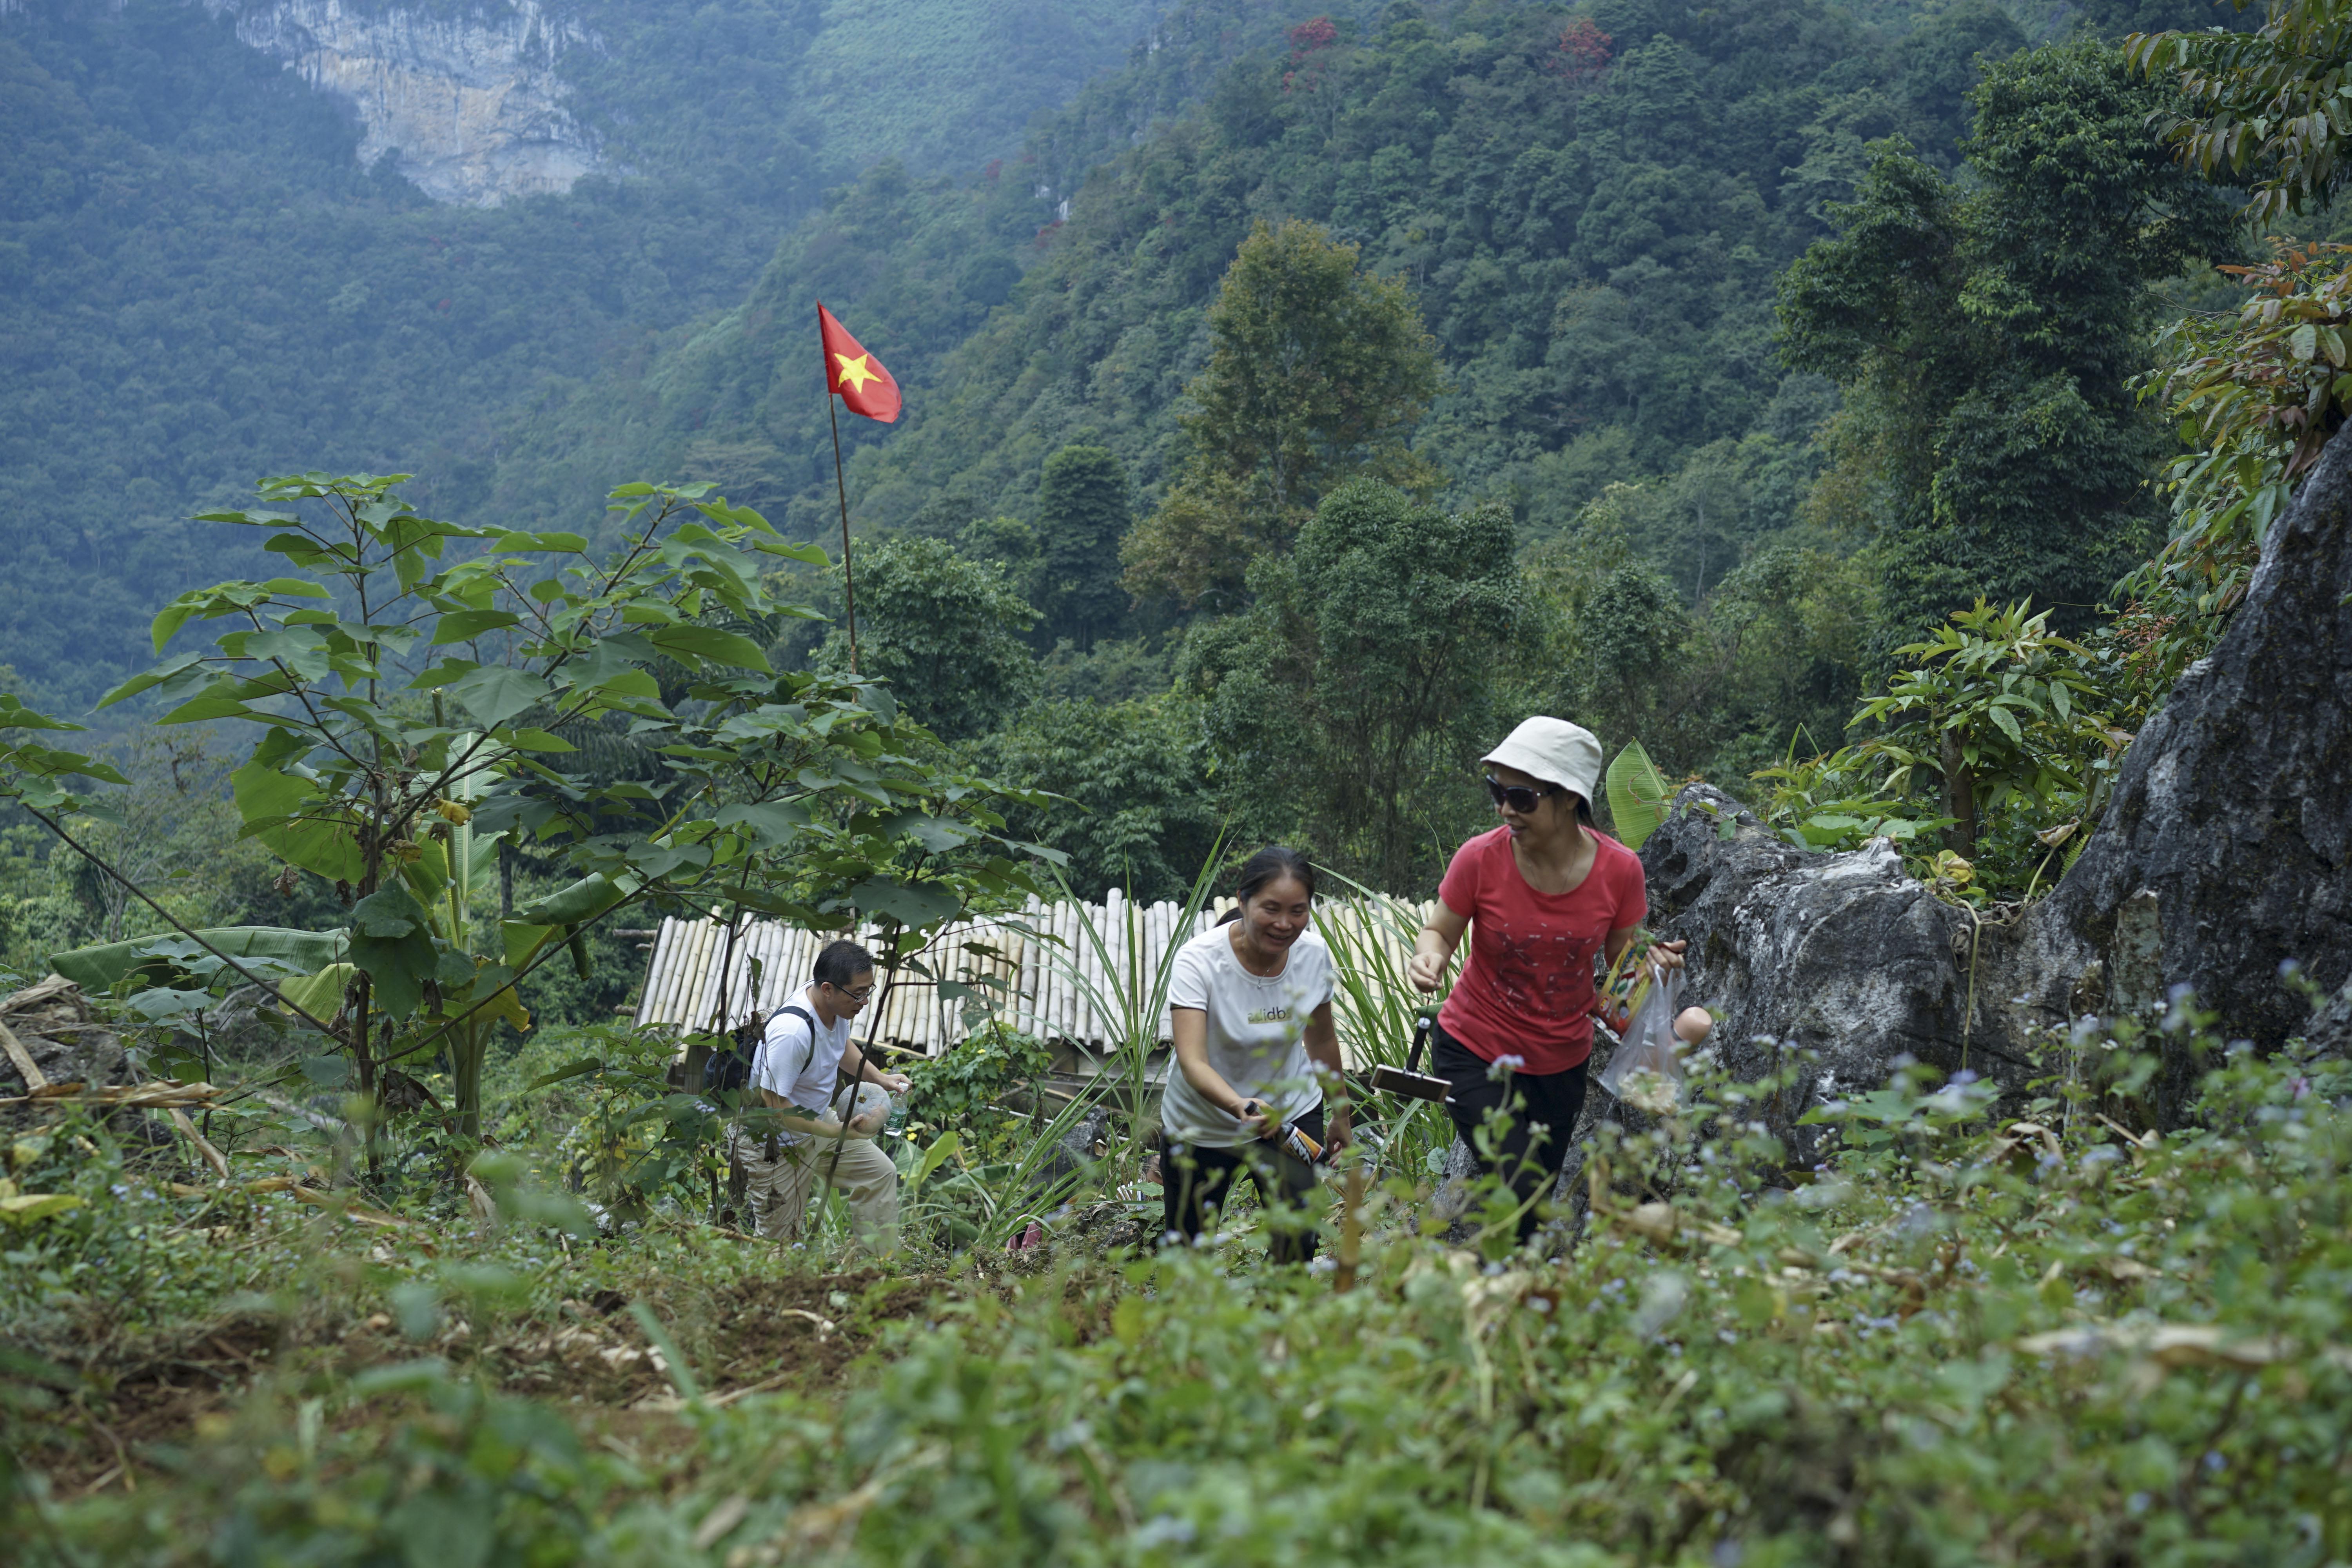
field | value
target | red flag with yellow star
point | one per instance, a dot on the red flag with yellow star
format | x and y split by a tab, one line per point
864	386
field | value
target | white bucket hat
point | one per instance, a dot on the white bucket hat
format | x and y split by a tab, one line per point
1554	751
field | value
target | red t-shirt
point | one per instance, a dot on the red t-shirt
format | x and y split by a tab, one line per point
1527	988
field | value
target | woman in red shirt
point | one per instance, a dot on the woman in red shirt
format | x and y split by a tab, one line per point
1540	896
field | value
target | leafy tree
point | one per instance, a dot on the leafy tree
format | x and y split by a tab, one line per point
1316	370
2001	711
2260	393
1081	515
406	708
1773	650
1986	337
945	631
1940	61
1136	803
2258	106
1346	706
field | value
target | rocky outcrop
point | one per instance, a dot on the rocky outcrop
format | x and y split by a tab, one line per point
1845	955
2227	851
62	1036
467	100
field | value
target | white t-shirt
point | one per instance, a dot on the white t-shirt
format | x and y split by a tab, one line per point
1258	1034
802	1064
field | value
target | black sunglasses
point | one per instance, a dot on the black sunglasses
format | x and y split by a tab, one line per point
1520	798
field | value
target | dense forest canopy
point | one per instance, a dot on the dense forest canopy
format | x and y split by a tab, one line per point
203	283
1565	239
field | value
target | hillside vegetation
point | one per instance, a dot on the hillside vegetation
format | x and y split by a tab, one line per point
202	284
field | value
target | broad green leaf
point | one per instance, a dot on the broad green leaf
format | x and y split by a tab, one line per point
582	900
915	907
2006	723
710	643
627	682
287	813
101	967
320	995
15	715
539	740
936	834
464	625
495	694
1638	795
581	1069
427	876
327	1072
773	823
391	940
151	679
522	942
26	1207
569	544
932	1158
389	911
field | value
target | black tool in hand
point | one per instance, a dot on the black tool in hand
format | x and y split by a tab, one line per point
1409	1079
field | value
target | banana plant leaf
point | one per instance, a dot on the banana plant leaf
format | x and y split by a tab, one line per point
1638	794
101	967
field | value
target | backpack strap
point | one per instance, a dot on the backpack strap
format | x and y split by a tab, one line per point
804	1016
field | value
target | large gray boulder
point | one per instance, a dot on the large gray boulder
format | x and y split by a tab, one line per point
2227	849
1844	957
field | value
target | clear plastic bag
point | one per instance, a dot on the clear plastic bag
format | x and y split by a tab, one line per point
1646	1072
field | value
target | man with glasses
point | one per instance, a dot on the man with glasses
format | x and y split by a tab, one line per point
799	1139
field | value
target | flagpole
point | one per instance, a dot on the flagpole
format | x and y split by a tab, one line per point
848	583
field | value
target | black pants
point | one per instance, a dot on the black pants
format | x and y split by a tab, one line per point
1543	1109
1193	1179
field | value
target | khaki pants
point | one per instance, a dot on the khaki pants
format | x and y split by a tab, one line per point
780	1188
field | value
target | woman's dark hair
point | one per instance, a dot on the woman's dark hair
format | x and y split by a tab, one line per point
1271	865
840	963
1583	807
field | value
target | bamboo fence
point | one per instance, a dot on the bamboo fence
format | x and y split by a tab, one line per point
1066	973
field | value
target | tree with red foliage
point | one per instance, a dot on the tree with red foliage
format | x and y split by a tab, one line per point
1583	53
1307	39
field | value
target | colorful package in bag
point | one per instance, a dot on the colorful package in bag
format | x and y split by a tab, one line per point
1646	1072
1622	989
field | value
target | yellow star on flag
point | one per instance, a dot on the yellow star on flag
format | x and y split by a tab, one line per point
864	383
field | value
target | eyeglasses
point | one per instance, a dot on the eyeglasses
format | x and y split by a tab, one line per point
858	994
1520	798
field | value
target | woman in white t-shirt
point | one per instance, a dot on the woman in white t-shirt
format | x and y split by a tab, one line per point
1255	1048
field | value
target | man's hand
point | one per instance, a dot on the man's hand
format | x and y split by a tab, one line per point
896	1082
1338	1134
868	1125
1258	1110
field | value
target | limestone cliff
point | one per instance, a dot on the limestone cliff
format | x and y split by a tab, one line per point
467	100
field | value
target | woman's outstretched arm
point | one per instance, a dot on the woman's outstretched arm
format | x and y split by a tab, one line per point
1434	949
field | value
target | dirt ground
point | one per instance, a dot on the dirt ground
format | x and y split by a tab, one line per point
590	1360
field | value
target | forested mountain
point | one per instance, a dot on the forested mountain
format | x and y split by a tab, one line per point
1577	222
202	280
1589	211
